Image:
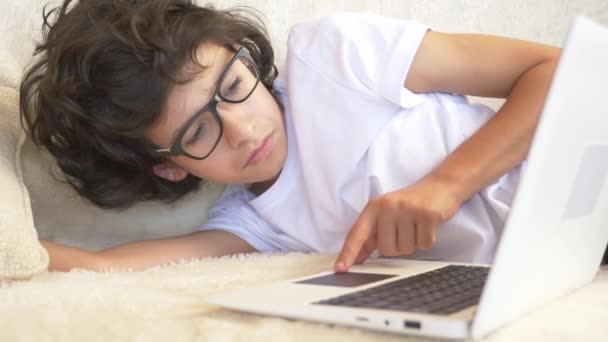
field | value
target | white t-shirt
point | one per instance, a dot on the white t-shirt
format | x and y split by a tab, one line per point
354	132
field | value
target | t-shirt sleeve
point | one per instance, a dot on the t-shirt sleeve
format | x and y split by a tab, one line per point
364	51
232	213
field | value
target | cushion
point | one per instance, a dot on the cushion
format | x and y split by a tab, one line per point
21	255
82	224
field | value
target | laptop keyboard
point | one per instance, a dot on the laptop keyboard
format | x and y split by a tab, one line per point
441	291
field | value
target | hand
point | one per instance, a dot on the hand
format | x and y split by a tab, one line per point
399	222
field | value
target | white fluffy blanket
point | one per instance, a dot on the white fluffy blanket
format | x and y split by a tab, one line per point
168	304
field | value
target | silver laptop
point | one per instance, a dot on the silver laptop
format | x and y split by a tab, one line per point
552	243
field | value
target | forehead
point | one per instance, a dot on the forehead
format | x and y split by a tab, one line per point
184	100
211	59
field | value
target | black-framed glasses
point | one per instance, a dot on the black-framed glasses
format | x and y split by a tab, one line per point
201	134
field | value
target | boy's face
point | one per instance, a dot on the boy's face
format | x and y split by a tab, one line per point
253	146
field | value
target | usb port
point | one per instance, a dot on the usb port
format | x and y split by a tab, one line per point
411	324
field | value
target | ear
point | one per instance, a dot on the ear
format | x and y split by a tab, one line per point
170	172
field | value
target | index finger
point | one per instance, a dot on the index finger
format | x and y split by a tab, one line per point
363	228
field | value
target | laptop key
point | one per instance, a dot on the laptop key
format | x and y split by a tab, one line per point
442	291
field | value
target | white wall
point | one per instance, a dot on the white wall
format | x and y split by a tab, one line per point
545	21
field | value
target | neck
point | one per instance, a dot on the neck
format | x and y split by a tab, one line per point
260	187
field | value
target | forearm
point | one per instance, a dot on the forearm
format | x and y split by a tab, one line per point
503	142
64	258
141	255
131	256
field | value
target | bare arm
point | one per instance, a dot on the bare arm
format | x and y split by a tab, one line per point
488	66
144	254
402	221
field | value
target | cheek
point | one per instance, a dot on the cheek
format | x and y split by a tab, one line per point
216	168
264	102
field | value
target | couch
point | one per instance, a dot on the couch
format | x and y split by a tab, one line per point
168	302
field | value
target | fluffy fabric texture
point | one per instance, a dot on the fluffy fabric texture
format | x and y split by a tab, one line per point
21	255
169	304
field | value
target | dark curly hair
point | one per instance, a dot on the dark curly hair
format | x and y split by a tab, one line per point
103	73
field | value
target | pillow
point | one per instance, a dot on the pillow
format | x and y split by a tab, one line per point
61	215
21	255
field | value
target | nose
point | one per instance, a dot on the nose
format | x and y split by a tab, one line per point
239	126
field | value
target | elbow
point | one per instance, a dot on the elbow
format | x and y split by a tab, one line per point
550	59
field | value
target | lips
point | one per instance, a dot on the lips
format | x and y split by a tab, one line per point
261	151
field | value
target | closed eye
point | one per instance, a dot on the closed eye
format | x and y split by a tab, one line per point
194	137
234	86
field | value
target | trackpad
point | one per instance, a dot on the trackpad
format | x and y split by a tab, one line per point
348	279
